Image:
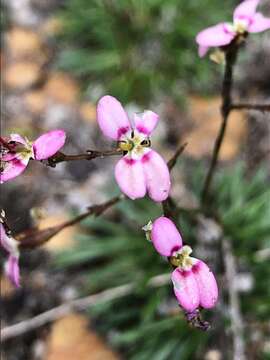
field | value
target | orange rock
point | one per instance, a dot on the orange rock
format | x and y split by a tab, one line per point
22	75
62	88
64	239
35	101
22	42
88	111
70	339
206	120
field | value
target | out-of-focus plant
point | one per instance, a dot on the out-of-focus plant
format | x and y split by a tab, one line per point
147	324
138	50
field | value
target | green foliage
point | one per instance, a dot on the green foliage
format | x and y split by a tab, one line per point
139	50
147	324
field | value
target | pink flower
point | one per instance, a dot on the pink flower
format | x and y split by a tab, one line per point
245	20
194	283
11	247
18	150
141	169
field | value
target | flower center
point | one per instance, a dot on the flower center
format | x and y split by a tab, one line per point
182	259
134	143
240	26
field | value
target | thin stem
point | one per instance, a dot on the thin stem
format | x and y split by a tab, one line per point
34	238
11	332
231	56
247	106
89	155
171	163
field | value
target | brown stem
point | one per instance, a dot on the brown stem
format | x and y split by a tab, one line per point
89	155
231	56
171	163
34	238
247	106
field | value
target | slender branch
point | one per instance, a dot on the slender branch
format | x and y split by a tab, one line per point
235	312
247	106
33	238
171	163
168	205
89	155
231	56
80	304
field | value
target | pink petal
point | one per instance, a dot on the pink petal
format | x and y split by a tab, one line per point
13	168
165	236
18	138
157	176
48	144
12	270
146	122
203	50
246	9
185	289
112	118
217	35
259	23
130	177
206	283
7	242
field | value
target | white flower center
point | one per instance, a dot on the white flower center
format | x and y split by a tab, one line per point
239	26
182	259
135	144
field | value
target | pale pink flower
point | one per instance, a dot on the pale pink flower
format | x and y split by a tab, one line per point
10	245
141	169
19	150
245	20
194	283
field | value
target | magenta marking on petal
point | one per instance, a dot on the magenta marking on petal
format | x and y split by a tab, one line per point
130	161
185	273
175	248
142	129
146	157
122	131
196	267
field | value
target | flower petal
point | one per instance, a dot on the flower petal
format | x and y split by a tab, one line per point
165	236
18	138
246	9
157	176
146	122
206	283
48	144
130	177
8	242
12	270
112	118
203	50
259	23
13	168
185	289
217	35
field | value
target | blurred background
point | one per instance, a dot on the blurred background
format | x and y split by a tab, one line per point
58	57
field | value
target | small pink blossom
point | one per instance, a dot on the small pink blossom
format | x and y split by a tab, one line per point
194	283
141	169
17	152
245	20
10	245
